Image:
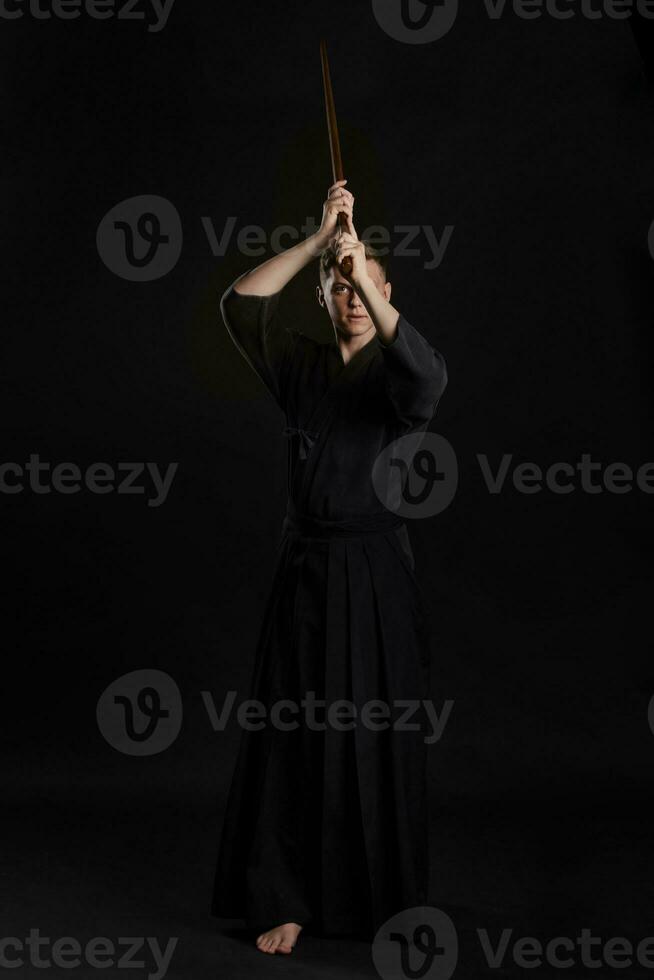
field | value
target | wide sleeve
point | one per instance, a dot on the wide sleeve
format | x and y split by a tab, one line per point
416	375
254	324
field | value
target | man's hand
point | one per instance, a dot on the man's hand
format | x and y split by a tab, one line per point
339	200
271	276
347	244
375	299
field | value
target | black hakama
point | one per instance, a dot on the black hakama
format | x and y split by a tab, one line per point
326	824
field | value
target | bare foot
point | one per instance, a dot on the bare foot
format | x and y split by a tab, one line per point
279	940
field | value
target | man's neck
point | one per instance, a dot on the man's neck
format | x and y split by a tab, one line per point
349	346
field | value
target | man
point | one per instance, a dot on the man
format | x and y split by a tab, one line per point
326	821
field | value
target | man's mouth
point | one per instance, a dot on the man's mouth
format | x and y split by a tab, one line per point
357	316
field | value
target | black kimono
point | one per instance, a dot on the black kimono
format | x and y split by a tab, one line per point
328	828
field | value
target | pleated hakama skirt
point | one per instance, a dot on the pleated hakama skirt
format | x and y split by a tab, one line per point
326	821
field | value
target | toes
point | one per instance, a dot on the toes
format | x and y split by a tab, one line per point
276	942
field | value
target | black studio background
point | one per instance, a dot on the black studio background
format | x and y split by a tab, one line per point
535	140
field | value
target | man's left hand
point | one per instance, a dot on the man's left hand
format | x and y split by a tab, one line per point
347	243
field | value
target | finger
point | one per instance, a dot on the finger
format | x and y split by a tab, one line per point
350	226
339	209
339	183
341	199
337	202
337	206
342	235
350	249
340	192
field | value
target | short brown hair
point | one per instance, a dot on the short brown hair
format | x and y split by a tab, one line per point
328	259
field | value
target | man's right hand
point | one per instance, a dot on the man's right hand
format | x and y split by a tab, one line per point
339	200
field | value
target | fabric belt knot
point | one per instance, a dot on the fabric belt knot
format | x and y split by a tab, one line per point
309	526
307	439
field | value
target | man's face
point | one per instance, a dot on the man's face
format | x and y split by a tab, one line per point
347	312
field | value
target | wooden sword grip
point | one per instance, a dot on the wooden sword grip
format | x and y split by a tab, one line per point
346	264
334	144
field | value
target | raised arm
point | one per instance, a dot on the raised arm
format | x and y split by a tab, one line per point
416	374
251	307
271	276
